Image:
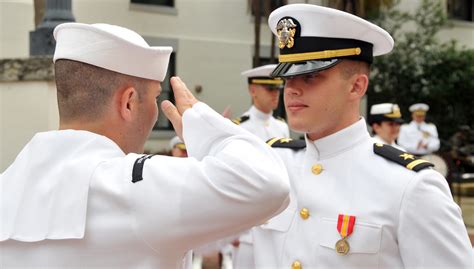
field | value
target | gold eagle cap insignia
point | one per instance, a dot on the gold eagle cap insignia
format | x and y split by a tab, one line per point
286	30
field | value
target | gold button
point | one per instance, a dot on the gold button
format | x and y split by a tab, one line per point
304	213
296	265
317	169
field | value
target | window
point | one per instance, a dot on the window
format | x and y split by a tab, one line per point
460	10
168	3
163	124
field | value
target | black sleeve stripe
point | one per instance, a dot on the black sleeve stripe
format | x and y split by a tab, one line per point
137	172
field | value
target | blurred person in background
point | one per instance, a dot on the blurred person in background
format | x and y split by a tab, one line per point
385	120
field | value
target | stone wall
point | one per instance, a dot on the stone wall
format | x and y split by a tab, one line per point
27	69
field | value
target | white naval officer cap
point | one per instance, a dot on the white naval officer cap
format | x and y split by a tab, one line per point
419	108
313	38
177	142
111	47
385	112
261	75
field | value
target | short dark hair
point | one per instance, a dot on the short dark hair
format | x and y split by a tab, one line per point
351	67
84	90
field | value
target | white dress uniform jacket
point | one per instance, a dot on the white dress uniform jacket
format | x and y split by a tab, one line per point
411	134
68	200
404	219
264	125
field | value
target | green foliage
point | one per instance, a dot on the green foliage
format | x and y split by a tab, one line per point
420	69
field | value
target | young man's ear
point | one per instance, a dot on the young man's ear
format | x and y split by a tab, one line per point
128	103
359	85
252	90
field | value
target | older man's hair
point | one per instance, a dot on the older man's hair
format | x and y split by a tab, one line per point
84	90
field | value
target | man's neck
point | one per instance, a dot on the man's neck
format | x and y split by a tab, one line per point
262	109
333	129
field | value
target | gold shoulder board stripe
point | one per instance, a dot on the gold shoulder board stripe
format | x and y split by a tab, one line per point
414	163
273	140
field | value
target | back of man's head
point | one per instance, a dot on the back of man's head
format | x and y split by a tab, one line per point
85	91
92	61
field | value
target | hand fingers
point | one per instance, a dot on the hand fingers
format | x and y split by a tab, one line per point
171	112
183	97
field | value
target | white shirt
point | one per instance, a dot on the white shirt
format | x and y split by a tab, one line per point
231	182
404	219
264	125
411	134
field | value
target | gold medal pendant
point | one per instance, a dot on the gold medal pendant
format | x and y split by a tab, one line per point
345	227
342	247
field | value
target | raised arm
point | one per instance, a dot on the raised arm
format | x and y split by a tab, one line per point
231	182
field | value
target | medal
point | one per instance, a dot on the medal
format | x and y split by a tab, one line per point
345	227
342	247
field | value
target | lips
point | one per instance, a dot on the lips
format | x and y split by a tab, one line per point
295	106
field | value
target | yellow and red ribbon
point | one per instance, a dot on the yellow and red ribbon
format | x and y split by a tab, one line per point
345	225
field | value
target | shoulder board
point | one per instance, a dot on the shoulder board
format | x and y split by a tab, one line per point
402	158
241	119
137	172
286	143
281	119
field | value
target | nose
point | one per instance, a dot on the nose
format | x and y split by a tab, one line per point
292	88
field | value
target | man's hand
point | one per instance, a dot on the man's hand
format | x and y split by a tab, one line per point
184	100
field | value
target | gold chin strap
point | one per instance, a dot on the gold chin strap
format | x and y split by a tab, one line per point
316	55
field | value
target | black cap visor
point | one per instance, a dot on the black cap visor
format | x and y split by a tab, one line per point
285	70
380	118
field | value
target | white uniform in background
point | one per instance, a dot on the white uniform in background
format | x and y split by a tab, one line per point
83	203
411	134
378	139
264	125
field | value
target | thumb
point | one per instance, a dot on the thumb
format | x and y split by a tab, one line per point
171	112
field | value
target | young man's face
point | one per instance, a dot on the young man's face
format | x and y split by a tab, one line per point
418	117
387	130
316	102
265	98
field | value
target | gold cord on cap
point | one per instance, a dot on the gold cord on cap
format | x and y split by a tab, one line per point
326	54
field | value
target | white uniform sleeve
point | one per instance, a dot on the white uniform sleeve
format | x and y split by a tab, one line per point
433	140
231	182
431	230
